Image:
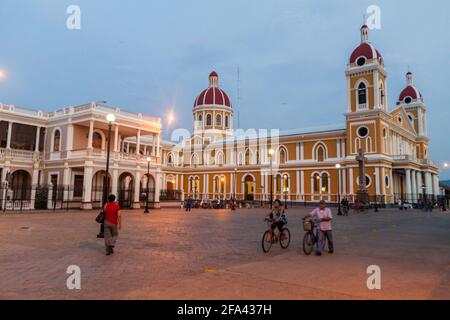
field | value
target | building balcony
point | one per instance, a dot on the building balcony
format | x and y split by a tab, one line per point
99	154
411	158
14	154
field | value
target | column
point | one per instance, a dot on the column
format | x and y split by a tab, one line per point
206	185
419	183
8	139
157	187
297	151
338	148
428	186
377	181
344	181
302	184
154	145
138	142
408	184
91	134
413	186
302	151
435	185
383	181
114	182
350	181
66	183
137	187
157	145
69	139
116	138
38	133
87	186
34	182
297	184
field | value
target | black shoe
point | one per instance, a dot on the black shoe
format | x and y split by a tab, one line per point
108	251
111	249
330	251
100	235
318	254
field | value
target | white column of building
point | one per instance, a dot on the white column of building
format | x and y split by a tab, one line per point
8	139
38	134
137	187
115	181
69	139
297	184
157	186
302	184
206	177
383	181
419	182
297	151
34	182
344	181
350	181
408	184
138	142
338	148
91	134
87	186
302	151
413	186
116	138
435	185
66	182
158	143
377	181
428	183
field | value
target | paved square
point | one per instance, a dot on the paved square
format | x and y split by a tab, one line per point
216	254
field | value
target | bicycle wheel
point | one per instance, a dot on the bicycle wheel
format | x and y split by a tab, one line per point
285	238
266	242
308	243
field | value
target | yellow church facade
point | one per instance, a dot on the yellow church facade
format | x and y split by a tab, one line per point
217	161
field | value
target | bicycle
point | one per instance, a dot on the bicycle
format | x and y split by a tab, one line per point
311	236
284	237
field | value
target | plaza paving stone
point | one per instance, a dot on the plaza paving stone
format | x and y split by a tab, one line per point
216	254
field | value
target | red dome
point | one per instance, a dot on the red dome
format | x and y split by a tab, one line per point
410	91
365	50
213	95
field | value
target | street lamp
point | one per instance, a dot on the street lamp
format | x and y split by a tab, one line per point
149	159
338	167
271	152
110	118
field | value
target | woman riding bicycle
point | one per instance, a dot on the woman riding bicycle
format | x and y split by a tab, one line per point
277	217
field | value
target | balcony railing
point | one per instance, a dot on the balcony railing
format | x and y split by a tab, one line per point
19	154
411	158
101	154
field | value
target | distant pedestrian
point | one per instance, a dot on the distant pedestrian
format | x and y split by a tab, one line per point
188	204
400	204
113	223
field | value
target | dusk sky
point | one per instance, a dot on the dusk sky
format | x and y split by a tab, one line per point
155	56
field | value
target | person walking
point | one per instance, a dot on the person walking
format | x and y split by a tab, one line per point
322	216
113	223
188	204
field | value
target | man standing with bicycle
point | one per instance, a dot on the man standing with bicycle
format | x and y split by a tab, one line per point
322	217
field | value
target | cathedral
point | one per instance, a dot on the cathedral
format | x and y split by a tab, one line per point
219	162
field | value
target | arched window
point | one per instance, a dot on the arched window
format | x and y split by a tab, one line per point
200	118
247	157
227	122
208	120
219	159
362	94
170	159
325	187
320	154
316	183
278	183
219	120
56	141
283	156
195	159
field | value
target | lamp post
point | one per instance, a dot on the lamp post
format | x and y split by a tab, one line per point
110	118
338	167
271	152
149	159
